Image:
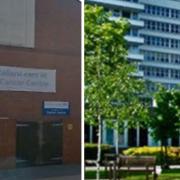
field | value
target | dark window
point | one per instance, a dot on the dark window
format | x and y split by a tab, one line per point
126	14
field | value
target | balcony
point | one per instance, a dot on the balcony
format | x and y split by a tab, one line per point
138	74
136	23
134	39
123	4
159	49
135	56
144	16
161	65
162	80
159	34
133	22
165	3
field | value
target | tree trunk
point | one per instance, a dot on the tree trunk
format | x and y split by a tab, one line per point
165	153
99	148
162	155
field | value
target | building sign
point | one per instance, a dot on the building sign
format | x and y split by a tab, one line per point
27	79
55	108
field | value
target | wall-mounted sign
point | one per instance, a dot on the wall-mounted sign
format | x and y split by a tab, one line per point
55	108
27	79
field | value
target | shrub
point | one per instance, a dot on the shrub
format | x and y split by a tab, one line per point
91	150
173	153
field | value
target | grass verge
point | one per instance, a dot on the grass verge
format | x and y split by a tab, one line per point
173	174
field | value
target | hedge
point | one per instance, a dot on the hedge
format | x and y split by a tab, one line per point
91	150
173	153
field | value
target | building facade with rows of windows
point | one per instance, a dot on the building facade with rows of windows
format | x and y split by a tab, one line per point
154	43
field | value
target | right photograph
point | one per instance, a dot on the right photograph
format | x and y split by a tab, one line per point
132	89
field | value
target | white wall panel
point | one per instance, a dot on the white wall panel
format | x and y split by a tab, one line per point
17	21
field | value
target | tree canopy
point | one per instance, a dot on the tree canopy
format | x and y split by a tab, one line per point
110	88
166	117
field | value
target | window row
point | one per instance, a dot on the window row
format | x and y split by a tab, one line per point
175	74
164	27
153	86
162	11
160	72
154	71
163	42
162	57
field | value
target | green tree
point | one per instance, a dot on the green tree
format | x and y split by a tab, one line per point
176	104
111	91
165	118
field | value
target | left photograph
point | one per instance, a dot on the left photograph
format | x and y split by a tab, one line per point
40	89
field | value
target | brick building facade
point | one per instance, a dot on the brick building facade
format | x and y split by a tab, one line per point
52	43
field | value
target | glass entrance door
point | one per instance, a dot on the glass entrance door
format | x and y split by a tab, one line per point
26	144
52	142
38	143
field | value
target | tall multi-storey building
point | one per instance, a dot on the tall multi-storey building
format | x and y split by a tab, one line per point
154	42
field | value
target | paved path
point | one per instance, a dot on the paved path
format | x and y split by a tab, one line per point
52	172
158	168
93	168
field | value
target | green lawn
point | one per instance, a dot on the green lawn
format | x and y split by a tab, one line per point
165	175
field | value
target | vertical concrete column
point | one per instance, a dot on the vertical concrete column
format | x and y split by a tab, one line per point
169	73
114	137
138	136
169	56
126	135
169	142
7	143
150	140
91	133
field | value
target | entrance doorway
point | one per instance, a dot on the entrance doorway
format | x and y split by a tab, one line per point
26	144
52	148
38	143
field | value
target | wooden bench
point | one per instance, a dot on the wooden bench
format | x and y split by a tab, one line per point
110	163
146	164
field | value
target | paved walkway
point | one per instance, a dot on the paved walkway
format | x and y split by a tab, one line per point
158	168
51	172
93	168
